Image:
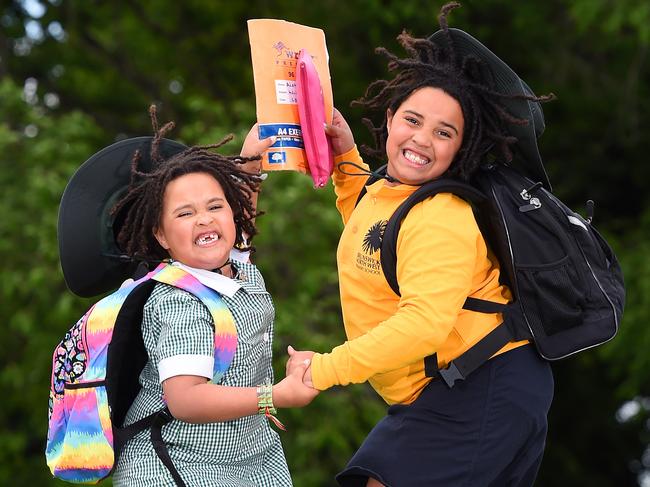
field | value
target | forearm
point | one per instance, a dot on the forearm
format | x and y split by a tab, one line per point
253	167
193	400
397	342
210	403
252	147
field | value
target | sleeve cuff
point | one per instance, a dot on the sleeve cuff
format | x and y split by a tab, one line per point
324	372
317	372
350	156
200	365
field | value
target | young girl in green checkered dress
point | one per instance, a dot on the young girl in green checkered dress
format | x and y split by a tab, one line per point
194	208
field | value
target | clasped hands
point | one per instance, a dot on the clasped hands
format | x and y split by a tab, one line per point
300	359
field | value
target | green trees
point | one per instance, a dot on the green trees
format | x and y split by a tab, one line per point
76	76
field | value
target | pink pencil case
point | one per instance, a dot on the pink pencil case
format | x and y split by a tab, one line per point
311	112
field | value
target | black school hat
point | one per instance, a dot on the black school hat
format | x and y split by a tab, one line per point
508	82
92	262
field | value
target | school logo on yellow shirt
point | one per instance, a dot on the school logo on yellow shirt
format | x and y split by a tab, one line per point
368	260
372	240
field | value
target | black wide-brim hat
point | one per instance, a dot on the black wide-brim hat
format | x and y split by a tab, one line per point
91	260
527	156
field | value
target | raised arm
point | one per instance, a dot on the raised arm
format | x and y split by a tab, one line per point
253	146
340	134
346	186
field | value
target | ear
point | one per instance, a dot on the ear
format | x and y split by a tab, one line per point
389	119
160	236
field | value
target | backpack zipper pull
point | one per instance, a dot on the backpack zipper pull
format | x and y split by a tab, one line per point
527	195
590	211
533	205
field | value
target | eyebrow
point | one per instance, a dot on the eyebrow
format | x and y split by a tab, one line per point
446	124
216	198
189	205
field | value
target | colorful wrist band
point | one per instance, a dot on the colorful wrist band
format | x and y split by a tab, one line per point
265	399
265	404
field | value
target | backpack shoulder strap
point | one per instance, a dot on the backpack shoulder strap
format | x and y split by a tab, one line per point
388	254
225	331
122	381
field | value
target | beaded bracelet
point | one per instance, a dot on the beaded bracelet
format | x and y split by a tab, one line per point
265	404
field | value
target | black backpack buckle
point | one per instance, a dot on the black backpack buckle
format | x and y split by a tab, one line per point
451	374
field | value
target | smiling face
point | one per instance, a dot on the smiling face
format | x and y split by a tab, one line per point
424	135
196	222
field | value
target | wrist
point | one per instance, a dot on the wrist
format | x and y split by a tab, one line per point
265	399
265	405
351	154
278	396
253	167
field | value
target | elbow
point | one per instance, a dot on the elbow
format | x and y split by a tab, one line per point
183	394
180	411
433	342
183	405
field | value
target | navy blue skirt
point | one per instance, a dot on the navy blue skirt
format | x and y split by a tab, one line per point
488	430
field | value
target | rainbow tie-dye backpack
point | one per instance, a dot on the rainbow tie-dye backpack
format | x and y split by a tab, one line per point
95	377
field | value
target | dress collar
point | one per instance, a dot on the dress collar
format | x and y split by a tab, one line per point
222	284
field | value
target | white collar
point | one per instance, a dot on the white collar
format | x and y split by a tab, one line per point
221	284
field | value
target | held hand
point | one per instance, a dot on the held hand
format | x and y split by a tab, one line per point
340	134
253	146
306	379
291	391
297	358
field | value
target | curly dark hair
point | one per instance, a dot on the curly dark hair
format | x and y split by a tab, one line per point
137	213
438	66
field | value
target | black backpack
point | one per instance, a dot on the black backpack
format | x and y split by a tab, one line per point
567	285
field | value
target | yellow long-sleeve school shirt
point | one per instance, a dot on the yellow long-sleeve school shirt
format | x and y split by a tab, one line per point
441	259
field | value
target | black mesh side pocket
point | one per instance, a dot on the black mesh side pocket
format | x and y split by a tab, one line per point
552	297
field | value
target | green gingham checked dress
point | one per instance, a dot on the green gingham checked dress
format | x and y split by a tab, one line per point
179	337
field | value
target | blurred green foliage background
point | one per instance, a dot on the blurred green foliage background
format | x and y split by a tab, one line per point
76	76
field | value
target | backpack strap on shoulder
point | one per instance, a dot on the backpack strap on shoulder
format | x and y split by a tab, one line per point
225	330
388	254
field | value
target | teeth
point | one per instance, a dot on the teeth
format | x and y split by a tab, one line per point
415	158
205	239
